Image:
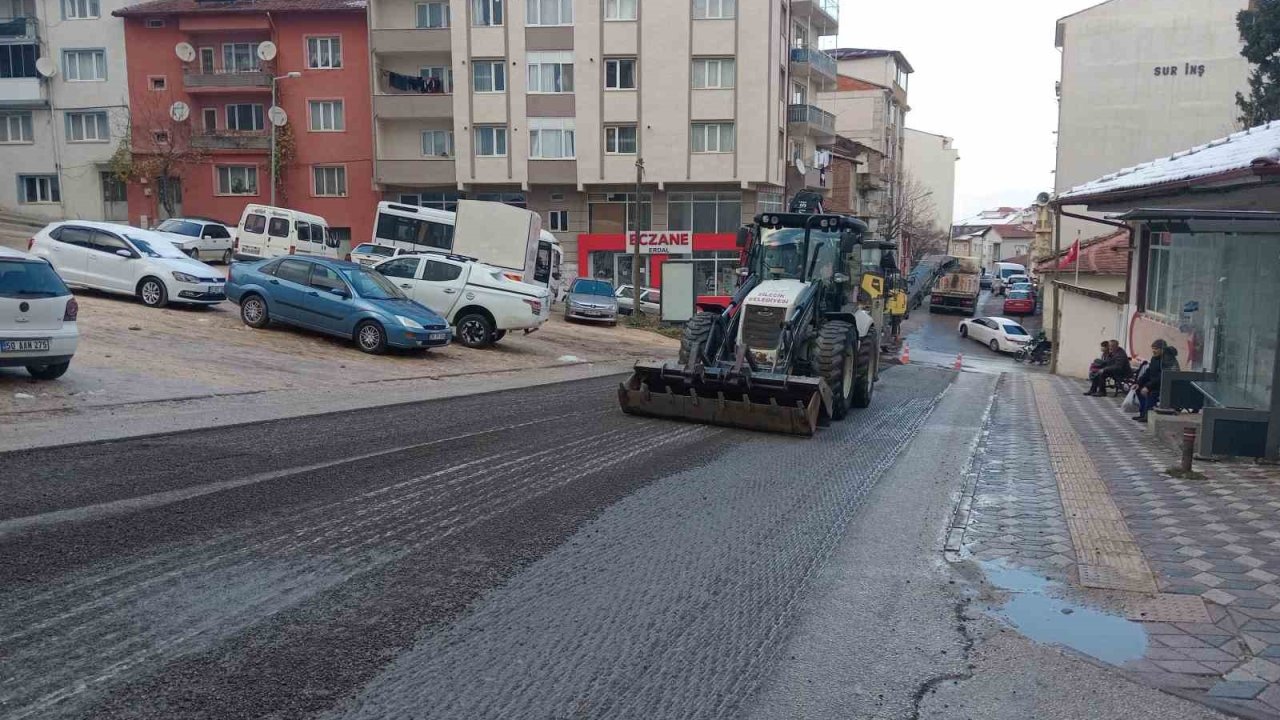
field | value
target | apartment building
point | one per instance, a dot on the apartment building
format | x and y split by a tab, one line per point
203	75
551	104
63	107
930	160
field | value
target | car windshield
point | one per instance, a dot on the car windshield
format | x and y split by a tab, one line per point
372	285
375	250
180	227
29	279
1011	329
1019	295
592	287
155	247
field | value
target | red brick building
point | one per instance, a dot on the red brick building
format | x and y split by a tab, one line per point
219	59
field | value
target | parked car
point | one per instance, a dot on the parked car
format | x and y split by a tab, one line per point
591	300
201	238
998	333
37	316
1019	302
984	282
370	254
267	232
127	260
1025	287
481	301
337	298
650	300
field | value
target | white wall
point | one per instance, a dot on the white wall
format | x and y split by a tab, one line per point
1110	284
1092	322
931	160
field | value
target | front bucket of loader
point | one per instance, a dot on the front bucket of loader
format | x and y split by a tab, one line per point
717	396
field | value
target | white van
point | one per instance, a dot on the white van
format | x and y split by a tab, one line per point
267	232
501	235
1004	271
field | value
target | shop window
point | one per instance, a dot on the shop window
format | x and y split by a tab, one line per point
715	272
611	213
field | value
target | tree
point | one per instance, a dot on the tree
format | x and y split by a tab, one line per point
156	148
909	213
1260	29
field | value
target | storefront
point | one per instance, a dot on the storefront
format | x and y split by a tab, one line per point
715	256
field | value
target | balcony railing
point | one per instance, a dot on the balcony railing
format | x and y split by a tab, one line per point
18	30
816	59
256	78
816	118
231	140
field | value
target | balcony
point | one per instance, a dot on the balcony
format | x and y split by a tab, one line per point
412	41
22	93
404	106
810	120
256	80
416	172
18	31
232	141
824	15
816	65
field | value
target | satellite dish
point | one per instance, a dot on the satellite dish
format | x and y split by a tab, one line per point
184	51
266	50
179	111
800	166
277	116
46	67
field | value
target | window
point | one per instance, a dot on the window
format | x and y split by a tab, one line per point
405	268
210	116
105	242
206	60
711	73
712	137
84	65
295	271
87	127
486	12
551	139
324	53
415	231
704	212
114	189
255	224
620	74
326	116
157	82
18	61
549	12
330	181
245	117
768	202
558	220
550	72
15	127
36	189
516	199
800	94
714	272
620	140
155	23
81	9
437	271
714	9
620	9
278	227
433	15
491	141
437	143
1158	275
438	200
239	58
303	231
441	73
322	278
239	180
489	76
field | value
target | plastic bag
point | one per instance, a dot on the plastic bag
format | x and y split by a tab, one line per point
1131	404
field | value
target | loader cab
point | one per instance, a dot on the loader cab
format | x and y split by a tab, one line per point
794	246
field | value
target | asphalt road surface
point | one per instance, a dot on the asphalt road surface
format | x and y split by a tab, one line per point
526	554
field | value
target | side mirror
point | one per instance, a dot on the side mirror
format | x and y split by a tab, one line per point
340	292
124	253
744	237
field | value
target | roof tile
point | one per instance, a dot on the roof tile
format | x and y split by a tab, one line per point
185	7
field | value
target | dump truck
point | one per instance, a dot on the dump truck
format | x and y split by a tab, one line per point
958	288
793	350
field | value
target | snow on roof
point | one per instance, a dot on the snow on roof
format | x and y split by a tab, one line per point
998	216
1248	148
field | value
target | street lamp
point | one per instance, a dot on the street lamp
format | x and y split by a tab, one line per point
274	80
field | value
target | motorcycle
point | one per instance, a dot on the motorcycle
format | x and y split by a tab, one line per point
1037	352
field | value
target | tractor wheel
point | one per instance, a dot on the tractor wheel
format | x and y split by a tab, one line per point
864	377
837	360
696	333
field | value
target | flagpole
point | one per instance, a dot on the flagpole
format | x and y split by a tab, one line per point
1077	283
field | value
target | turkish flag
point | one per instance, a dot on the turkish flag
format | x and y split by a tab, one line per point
1073	255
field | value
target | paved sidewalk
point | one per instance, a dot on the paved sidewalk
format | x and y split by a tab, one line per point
1215	540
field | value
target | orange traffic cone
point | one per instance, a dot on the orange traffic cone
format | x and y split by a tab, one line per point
906	354
959	361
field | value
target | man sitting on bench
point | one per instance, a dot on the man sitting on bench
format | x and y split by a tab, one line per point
1115	366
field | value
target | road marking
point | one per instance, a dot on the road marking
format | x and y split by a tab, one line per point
15	526
1107	555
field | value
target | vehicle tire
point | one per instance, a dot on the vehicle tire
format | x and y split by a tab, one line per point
864	376
964	331
152	292
696	332
994	345
195	253
253	311
837	364
474	330
498	335
48	372
371	338
226	257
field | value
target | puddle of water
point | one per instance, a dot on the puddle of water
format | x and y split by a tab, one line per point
1053	620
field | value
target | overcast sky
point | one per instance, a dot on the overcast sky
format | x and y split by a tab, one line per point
984	74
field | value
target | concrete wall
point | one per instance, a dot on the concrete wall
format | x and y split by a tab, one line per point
1092	322
1110	284
931	160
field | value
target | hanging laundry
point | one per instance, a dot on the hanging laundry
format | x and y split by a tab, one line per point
407	83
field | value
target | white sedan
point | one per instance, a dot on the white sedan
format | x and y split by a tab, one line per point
201	238
127	260
999	334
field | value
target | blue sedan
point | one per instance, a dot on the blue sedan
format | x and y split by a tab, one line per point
334	297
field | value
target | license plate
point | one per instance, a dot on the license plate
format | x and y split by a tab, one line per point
215	289
24	345
438	336
250	249
593	313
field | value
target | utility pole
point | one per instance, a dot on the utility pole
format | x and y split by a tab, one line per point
635	250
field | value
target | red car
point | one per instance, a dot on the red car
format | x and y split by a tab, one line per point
1019	302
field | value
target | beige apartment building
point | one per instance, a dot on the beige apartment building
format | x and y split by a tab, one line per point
1142	79
930	160
550	104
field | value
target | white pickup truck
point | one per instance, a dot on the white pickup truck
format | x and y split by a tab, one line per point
480	301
